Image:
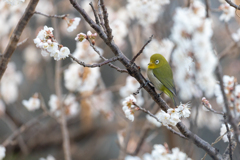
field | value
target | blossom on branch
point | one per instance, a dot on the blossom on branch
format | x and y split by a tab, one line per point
73	23
228	11
33	103
45	40
128	107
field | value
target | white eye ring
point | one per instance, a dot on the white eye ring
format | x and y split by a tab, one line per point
157	61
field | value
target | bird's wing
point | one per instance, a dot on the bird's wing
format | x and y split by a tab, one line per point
165	78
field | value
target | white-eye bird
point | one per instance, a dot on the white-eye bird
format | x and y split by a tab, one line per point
160	74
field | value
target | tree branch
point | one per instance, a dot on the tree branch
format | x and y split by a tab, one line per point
52	16
16	35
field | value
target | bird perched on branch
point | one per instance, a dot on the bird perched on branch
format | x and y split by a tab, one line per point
160	74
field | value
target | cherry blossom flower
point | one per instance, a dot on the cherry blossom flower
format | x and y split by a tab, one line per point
32	104
73	23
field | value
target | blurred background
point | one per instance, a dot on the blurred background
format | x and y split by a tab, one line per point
98	128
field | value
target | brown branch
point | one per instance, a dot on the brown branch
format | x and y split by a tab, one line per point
207	8
138	54
133	70
227	50
232	4
113	59
95	14
106	22
22	129
226	154
16	35
52	16
229	116
150	114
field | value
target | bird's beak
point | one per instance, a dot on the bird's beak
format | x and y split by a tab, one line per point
150	65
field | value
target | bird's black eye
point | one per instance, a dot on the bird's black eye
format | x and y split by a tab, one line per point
157	61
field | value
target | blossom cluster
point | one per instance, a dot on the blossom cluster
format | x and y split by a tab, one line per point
228	11
146	12
9	83
193	58
81	37
161	152
71	106
172	117
128	107
46	41
232	91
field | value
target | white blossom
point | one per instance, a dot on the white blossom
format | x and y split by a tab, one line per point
146	12
128	157
32	104
223	130
131	86
2	152
14	2
71	106
193	58
73	23
128	107
228	11
153	120
236	36
49	157
9	83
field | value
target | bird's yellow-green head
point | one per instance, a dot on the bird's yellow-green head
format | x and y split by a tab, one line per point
156	61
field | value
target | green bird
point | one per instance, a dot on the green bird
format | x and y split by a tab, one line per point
160	74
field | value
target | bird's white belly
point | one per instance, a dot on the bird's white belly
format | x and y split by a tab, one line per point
157	84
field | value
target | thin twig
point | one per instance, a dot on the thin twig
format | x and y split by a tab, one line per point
106	22
150	114
207	105
227	50
113	59
52	16
138	54
101	17
207	8
229	136
102	57
23	128
95	14
16	35
22	42
229	116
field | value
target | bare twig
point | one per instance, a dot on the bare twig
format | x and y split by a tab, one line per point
23	128
95	14
58	89
22	42
207	105
113	59
227	50
150	114
229	116
16	36
101	17
138	54
207	8
106	22
233	145
229	136
52	16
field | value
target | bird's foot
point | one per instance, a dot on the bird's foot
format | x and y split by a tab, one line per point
159	95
